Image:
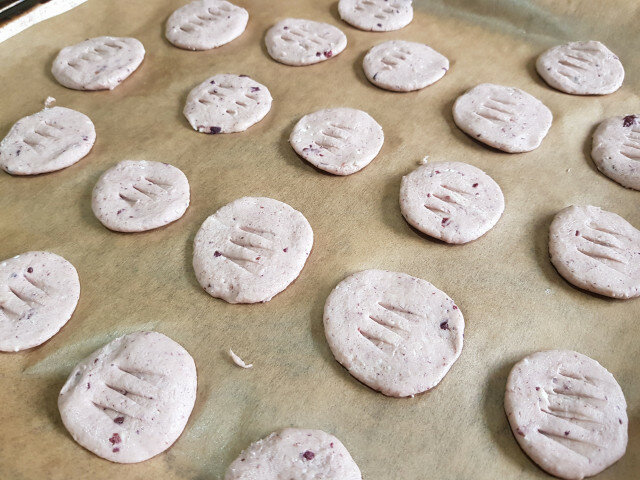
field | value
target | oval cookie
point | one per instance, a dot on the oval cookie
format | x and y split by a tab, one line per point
596	250
49	140
395	333
100	63
341	141
376	15
402	66
298	42
506	118
206	24
135	196
39	292
567	412
616	150
227	103
251	249
452	201
131	399
295	453
581	68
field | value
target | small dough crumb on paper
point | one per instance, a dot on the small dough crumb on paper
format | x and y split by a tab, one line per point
49	102
424	160
238	361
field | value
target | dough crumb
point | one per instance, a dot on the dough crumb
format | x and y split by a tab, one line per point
424	160
238	361
568	170
49	102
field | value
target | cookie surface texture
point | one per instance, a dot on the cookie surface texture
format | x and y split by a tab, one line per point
251	249
131	399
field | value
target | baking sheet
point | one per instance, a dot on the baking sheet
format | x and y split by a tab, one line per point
513	300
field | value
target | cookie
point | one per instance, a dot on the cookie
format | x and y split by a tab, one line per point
39	292
131	399
298	42
295	453
49	140
227	103
251	249
135	196
596	250
616	150
402	66
396	333
452	201
505	118
341	141
376	15
567	412
581	68
100	63
206	24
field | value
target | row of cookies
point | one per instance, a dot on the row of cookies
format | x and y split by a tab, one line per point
138	390
377	342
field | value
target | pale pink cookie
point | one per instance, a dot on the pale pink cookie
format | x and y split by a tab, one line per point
341	141
251	249
49	140
376	15
402	66
295	453
396	333
298	42
206	24
39	292
596	250
227	103
100	63
452	201
131	399
567	412
135	196
616	150
506	118
581	68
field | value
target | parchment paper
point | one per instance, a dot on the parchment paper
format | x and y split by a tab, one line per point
513	300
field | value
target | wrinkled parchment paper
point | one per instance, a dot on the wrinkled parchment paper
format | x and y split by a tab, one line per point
513	300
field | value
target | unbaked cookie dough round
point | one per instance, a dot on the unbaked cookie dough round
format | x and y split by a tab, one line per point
451	201
581	68
295	453
341	141
596	250
206	24
396	333
49	140
135	196
131	399
616	150
227	103
39	292
402	66
567	412
505	118
376	15
298	42
251	249
100	63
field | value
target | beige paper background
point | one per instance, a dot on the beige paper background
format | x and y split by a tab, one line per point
513	300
